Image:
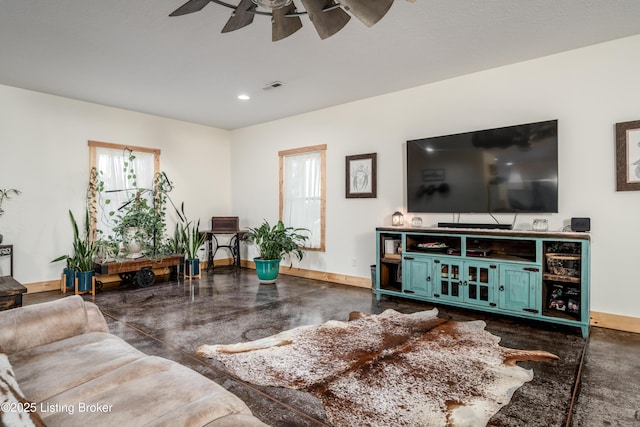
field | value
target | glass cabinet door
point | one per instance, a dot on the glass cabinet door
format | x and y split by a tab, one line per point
479	283
449	284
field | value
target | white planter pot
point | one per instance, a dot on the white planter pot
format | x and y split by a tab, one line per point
132	245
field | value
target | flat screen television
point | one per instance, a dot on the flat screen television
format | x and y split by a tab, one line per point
511	169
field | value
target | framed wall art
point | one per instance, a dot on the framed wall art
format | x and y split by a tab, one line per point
628	156
361	176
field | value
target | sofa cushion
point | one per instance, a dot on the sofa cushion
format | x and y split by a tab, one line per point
43	323
15	409
50	369
151	391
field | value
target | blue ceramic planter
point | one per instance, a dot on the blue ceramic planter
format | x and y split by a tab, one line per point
267	269
85	279
69	278
192	267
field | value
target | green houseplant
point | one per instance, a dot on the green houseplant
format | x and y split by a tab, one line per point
140	222
192	240
137	226
6	194
274	244
80	262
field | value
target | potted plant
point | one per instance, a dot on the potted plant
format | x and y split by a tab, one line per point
192	241
175	246
80	263
6	194
137	226
274	244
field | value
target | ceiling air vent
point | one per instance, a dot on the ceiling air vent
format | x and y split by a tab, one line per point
273	85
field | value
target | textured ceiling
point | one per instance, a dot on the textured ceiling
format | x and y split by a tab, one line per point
131	54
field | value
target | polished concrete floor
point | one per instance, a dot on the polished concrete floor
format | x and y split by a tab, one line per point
595	382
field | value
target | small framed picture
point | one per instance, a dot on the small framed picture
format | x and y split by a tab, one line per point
628	156
361	176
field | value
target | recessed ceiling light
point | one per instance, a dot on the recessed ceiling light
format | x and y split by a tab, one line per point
244	97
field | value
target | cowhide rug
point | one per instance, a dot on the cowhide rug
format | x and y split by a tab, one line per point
388	369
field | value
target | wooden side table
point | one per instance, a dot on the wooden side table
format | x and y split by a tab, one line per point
10	293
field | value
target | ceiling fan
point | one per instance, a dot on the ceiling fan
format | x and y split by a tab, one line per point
327	16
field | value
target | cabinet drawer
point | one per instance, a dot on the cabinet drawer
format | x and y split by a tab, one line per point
10	301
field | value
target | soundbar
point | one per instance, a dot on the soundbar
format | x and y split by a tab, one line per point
492	226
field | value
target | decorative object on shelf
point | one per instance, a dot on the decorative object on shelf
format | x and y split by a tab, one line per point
431	247
628	156
274	244
563	264
397	219
416	221
580	224
392	248
540	224
328	17
361	179
7	250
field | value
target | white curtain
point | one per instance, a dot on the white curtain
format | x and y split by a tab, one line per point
119	188
302	194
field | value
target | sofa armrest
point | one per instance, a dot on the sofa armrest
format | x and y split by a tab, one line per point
34	325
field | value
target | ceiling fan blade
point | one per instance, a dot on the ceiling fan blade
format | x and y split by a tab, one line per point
241	17
327	22
283	26
190	7
368	11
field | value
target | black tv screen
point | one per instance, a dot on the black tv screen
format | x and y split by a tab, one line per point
504	170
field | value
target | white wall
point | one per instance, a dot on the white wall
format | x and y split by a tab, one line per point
588	90
44	153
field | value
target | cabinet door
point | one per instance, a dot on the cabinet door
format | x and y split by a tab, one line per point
518	288
479	283
417	275
448	280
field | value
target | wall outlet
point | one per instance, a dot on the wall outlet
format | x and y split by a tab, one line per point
354	262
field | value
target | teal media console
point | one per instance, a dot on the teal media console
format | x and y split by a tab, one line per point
534	275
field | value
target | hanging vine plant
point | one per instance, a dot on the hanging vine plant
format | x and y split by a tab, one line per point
146	215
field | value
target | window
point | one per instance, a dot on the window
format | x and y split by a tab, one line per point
302	191
119	187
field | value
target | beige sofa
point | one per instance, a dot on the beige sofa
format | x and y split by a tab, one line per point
78	374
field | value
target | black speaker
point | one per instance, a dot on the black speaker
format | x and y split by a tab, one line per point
580	224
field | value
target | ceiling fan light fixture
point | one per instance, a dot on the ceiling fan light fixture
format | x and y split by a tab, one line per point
327	16
272	4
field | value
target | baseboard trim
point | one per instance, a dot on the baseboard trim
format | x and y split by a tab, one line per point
342	279
615	321
49	285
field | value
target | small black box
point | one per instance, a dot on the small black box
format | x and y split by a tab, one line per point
580	224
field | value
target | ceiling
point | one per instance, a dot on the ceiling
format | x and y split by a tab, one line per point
132	55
